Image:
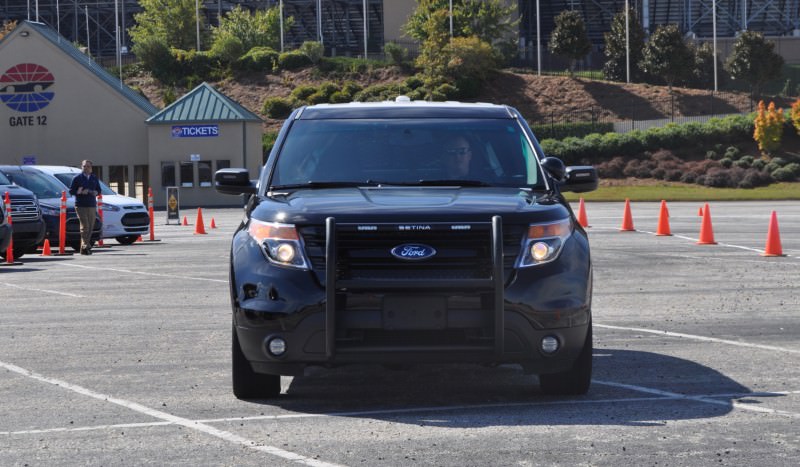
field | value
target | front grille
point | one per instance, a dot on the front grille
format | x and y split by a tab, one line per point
24	210
366	254
135	219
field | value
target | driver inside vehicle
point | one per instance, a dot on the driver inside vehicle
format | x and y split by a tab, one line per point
457	157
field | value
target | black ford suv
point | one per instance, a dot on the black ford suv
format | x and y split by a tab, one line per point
27	224
409	232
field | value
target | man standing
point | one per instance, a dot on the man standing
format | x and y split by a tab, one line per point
85	187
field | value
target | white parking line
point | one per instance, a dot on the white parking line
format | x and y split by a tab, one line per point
141	273
699	338
194	425
703	399
31	289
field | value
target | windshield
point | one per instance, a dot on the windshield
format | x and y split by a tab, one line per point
460	152
66	179
4	180
40	184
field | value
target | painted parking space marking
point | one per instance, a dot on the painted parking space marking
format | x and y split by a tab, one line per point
158	414
142	273
33	289
703	399
698	338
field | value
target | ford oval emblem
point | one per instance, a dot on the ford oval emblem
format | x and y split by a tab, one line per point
413	252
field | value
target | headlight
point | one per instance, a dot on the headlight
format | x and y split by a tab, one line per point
544	242
48	210
279	242
109	207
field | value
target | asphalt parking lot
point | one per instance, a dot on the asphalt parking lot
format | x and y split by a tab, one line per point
123	358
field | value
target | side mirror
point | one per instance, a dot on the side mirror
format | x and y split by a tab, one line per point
234	182
580	179
554	167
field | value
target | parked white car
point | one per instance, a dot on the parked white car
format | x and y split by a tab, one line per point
124	218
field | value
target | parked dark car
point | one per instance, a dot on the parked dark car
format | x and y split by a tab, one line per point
362	244
26	216
48	189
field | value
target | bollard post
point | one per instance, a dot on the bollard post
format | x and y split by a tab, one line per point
10	250
62	225
152	216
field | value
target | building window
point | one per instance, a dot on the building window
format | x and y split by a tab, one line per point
223	164
168	174
187	174
204	173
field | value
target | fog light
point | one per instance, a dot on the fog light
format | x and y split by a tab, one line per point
540	251
285	253
549	344
276	346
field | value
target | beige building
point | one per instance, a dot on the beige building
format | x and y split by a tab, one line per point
57	107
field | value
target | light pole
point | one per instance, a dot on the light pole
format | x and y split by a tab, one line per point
197	21
451	19
627	45
365	29
714	29
538	42
280	11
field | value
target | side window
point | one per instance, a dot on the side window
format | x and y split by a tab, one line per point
168	174
187	174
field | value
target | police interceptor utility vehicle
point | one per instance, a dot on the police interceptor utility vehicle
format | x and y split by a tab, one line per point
409	232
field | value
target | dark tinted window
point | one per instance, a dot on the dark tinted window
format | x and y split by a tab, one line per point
42	185
4	180
407	151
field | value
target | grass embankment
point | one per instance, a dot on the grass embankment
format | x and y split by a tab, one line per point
687	192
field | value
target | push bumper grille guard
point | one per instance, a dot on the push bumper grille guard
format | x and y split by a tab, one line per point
333	284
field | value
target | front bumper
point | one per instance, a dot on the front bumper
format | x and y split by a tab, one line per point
500	319
125	222
28	234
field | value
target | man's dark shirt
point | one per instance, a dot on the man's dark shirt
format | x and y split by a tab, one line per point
89	182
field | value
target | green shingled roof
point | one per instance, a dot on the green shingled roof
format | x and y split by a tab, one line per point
204	104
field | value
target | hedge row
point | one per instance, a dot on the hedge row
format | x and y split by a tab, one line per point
565	130
595	148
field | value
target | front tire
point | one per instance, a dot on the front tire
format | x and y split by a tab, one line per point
247	384
576	380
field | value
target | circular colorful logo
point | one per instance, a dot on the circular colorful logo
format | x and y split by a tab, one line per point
24	87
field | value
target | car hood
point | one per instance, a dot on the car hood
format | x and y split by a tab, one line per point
119	200
430	203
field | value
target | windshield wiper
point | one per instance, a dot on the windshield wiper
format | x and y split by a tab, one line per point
312	184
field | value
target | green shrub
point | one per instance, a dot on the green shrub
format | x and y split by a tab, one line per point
448	91
317	98
784	174
302	92
380	92
794	167
156	57
313	50
351	88
413	82
258	59
293	61
732	152
227	49
339	97
347	64
268	141
397	54
277	107
726	162
758	164
562	130
191	63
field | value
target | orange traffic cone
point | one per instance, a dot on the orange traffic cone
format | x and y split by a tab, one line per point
213	224
773	247
700	211
627	220
706	231
46	248
663	220
139	238
582	220
184	221
199	227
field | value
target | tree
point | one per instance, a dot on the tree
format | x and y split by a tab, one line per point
615	67
492	21
666	55
6	28
170	21
260	28
768	128
703	70
754	60
431	59
569	38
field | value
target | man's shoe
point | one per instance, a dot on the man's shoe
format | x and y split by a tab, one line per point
84	251
88	251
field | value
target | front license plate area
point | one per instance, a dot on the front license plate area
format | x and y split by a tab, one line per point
414	312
